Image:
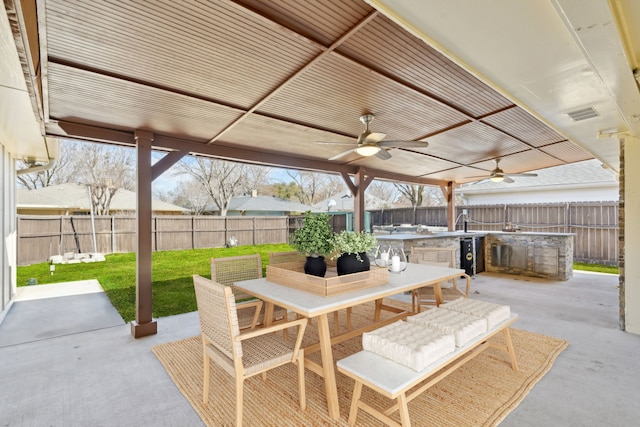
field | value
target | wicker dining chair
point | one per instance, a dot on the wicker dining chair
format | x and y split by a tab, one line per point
293	256
443	257
242	355
228	270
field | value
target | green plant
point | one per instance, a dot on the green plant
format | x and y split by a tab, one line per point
351	242
315	236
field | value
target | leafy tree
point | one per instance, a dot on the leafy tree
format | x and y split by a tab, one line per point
285	190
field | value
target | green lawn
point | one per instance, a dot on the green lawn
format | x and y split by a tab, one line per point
172	270
595	267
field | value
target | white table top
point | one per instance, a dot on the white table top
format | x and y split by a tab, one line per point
312	305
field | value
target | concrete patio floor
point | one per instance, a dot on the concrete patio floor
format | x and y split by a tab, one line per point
68	359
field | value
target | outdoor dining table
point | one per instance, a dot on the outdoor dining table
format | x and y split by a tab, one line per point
312	306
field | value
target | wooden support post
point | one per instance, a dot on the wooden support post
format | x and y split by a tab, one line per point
449	195
144	324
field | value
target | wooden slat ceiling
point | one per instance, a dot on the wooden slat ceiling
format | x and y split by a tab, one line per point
277	77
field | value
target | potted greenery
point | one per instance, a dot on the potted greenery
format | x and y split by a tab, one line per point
315	240
351	249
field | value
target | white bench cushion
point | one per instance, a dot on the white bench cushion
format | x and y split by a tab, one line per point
494	313
464	327
410	345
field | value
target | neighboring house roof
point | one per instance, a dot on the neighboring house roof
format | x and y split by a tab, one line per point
581	181
76	197
263	203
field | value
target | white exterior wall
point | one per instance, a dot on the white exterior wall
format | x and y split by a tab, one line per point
544	195
8	226
632	234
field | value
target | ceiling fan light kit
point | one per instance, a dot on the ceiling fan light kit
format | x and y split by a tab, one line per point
368	150
371	143
498	175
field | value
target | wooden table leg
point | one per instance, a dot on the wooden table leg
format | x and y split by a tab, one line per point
328	369
378	310
268	314
437	293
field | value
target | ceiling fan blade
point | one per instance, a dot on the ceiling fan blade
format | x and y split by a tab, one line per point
521	174
506	179
374	137
404	144
383	154
335	143
344	153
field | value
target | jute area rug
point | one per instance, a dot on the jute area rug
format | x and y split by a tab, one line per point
480	393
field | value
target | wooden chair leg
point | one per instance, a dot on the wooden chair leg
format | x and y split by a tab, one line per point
205	373
336	325
302	392
239	398
349	310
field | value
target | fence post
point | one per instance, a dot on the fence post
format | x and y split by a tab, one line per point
113	234
193	232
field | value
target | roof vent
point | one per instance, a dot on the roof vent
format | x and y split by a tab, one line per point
583	114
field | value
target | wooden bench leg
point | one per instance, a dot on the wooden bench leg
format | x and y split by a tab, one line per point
353	412
512	352
403	409
349	326
336	324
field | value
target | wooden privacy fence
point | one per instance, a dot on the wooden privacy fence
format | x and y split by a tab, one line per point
595	224
40	237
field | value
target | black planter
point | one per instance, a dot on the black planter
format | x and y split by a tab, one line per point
349	263
316	266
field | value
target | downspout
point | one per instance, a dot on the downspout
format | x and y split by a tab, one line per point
37	168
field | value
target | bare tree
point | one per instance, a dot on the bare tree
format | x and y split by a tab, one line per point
256	178
433	196
385	192
412	193
63	170
314	187
189	194
105	169
220	179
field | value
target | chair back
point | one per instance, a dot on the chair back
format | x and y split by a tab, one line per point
228	270
442	257
218	317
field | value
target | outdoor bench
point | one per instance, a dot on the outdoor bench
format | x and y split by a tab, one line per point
399	382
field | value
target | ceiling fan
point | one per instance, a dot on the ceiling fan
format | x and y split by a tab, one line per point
498	175
372	144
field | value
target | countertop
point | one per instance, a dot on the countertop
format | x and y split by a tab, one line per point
461	234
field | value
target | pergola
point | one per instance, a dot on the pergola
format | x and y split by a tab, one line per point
263	81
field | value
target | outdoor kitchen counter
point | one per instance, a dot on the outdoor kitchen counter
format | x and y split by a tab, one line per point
523	253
